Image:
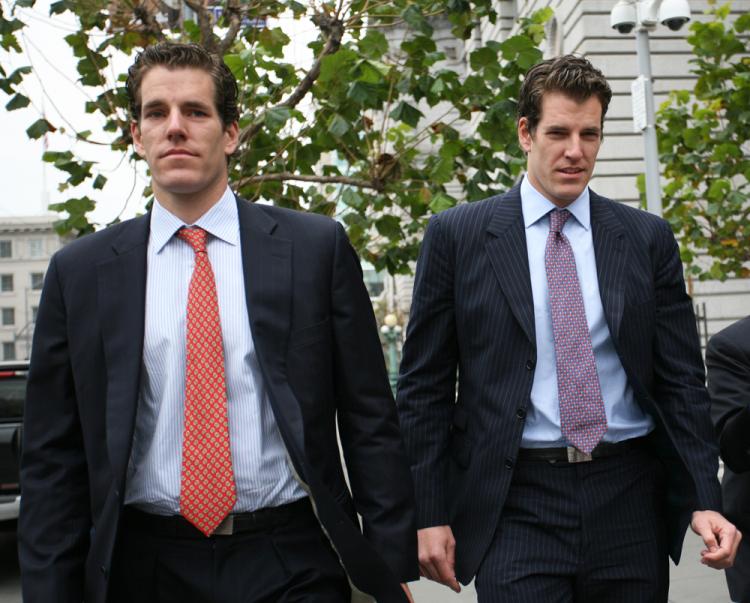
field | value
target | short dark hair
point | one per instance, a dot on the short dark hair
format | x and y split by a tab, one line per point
177	56
570	75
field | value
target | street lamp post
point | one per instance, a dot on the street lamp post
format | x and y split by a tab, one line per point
643	15
391	330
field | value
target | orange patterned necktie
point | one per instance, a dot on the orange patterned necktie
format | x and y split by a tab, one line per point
207	491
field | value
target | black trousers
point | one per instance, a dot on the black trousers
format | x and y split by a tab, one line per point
580	532
288	563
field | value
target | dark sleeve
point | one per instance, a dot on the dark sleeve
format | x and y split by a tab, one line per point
728	362
427	384
368	424
54	522
679	376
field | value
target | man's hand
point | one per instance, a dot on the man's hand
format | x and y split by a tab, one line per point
437	555
720	537
408	592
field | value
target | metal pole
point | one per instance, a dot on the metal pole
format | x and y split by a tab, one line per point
392	337
651	157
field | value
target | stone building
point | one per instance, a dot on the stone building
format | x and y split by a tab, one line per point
26	245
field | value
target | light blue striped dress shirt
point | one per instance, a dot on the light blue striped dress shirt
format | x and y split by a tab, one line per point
625	419
262	476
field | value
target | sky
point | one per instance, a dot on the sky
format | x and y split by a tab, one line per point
29	184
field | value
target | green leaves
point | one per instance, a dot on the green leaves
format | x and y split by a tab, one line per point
378	127
39	128
702	134
406	113
19	101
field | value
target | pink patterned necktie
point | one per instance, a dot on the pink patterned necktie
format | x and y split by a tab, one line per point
582	418
207	490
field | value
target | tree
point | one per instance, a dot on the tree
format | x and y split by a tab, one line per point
364	150
704	137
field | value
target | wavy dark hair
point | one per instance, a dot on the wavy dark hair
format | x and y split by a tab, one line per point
177	56
571	75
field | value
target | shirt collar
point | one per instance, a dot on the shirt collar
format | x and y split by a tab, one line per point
535	206
221	221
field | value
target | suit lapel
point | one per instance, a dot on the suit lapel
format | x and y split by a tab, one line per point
611	261
121	284
506	249
267	270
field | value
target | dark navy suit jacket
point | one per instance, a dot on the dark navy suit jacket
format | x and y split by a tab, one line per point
321	360
472	322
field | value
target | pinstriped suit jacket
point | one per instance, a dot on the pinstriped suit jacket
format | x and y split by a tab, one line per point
472	322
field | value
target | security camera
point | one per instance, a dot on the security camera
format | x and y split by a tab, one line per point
674	13
623	16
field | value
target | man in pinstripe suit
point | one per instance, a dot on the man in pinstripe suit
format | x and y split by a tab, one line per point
117	505
543	501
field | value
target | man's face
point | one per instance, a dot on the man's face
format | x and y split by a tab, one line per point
181	135
561	153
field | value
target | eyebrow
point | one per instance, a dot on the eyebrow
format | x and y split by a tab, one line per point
560	128
194	104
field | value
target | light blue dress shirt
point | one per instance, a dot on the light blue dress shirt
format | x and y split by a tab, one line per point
262	475
625	419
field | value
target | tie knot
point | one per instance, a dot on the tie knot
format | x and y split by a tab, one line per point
195	237
557	219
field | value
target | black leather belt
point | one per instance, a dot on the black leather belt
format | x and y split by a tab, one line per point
176	526
570	454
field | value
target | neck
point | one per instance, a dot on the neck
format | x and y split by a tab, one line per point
189	207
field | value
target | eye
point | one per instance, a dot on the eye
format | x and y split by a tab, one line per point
197	113
154	114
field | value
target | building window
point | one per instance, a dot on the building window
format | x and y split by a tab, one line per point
36	248
6	283
374	282
37	280
9	350
34	312
6	249
8	317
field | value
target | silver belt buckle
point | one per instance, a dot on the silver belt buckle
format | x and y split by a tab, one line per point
225	528
576	456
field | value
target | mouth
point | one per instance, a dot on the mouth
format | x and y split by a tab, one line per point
571	171
178	153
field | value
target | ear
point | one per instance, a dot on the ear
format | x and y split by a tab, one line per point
524	135
231	138
135	133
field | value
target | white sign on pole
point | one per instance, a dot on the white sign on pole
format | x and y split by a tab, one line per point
638	90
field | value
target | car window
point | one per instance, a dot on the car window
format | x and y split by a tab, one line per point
12	394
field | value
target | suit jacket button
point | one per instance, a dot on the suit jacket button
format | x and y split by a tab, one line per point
521	414
530	364
508	464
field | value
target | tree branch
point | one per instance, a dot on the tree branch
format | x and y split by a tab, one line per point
284	176
150	24
335	30
205	24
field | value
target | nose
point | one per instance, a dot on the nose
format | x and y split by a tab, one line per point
574	150
175	124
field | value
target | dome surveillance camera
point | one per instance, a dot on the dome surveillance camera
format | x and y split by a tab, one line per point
674	13
623	16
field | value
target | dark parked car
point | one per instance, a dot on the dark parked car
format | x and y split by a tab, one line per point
12	395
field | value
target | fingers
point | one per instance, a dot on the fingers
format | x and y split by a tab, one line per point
720	536
407	592
437	556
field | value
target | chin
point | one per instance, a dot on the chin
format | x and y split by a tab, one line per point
182	184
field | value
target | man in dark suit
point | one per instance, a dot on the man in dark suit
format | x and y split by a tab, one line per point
577	445
728	364
188	372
